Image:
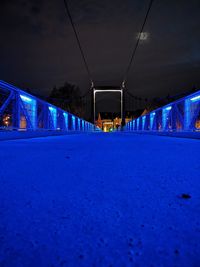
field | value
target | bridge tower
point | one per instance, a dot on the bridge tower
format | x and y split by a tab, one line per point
107	89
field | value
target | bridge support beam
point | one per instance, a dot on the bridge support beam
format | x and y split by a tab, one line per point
22	110
181	115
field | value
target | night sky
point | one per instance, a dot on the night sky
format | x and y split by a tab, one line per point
38	49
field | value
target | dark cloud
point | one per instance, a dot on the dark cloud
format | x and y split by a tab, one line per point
35	10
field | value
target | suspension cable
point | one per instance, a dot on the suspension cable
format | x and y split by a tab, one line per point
136	45
78	41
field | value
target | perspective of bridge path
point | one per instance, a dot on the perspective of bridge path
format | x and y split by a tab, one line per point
100	199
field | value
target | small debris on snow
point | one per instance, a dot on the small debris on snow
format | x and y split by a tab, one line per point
130	242
184	196
176	251
81	256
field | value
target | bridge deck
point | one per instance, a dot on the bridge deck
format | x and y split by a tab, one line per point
100	200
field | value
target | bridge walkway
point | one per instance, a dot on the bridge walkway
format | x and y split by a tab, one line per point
100	199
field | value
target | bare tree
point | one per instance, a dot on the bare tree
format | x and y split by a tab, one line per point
67	97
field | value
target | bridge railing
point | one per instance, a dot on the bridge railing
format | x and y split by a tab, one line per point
20	110
180	115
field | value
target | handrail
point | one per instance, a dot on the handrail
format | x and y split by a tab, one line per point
26	114
180	115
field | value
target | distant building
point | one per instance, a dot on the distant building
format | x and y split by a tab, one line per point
108	121
99	121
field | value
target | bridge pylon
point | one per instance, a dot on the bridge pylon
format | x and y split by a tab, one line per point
107	89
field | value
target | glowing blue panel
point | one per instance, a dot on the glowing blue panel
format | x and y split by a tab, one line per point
30	106
168	108
26	99
143	122
187	115
134	125
152	116
83	125
196	98
138	123
79	124
165	117
53	112
73	123
66	120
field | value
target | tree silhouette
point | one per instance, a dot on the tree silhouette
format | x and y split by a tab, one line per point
67	97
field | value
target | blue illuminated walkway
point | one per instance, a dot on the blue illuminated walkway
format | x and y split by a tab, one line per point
100	200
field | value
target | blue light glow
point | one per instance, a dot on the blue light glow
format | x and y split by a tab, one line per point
83	125
152	116
187	114
30	107
26	99
30	112
74	123
66	119
165	117
137	123
53	112
180	115
52	109
196	98
168	108
143	122
134	125
79	124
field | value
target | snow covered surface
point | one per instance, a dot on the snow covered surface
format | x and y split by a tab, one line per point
100	200
188	134
10	135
